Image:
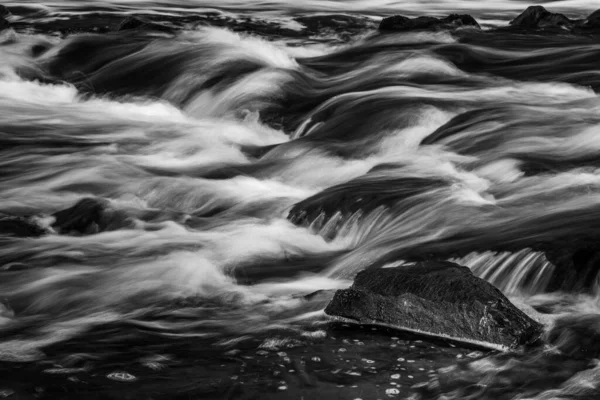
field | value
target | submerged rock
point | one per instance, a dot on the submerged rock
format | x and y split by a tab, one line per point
400	23
537	17
87	216
439	299
135	23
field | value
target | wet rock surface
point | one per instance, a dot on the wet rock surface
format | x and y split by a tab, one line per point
537	17
399	23
89	215
440	299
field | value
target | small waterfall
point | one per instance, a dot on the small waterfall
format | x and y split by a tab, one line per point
525	271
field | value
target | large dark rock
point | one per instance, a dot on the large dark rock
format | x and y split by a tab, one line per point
400	23
88	216
537	17
439	299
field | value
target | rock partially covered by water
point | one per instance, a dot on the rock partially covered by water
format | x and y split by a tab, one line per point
401	23
87	216
439	299
135	23
4	24
536	17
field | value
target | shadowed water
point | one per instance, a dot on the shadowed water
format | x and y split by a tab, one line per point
252	168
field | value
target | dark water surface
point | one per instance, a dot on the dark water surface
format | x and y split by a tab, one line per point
202	134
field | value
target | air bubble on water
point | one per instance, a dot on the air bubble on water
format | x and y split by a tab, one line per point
121	376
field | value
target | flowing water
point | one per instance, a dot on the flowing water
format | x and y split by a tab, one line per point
470	146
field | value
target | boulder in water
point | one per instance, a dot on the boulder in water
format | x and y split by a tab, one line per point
436	299
537	17
399	23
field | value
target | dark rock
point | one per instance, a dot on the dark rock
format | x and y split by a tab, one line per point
11	225
400	23
88	216
577	335
537	17
363	194
593	20
439	299
135	23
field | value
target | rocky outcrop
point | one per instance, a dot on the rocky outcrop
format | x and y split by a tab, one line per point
135	23
439	299
399	23
537	17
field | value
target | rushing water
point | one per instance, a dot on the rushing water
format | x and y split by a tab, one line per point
472	146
